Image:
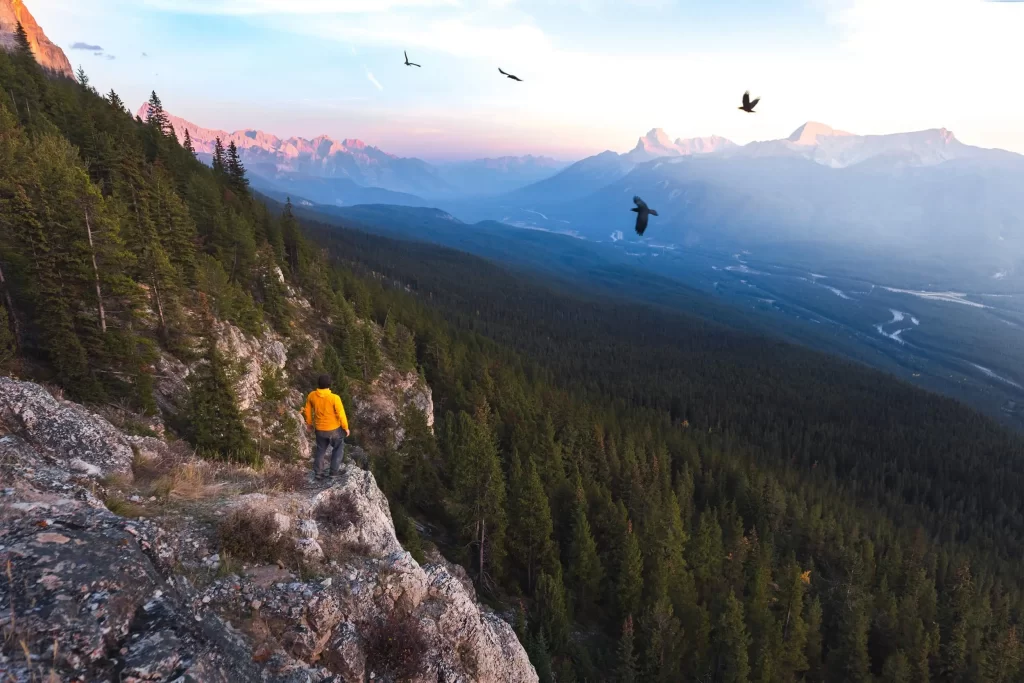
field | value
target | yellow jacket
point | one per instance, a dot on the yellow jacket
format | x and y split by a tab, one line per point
326	408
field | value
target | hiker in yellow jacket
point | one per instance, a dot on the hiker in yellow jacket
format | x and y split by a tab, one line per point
325	413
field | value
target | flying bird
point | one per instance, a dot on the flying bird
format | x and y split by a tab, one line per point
748	104
508	75
407	62
642	213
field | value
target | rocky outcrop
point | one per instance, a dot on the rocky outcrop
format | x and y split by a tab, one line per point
98	597
87	443
49	56
378	407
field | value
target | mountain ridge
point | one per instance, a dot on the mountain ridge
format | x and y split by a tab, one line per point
49	55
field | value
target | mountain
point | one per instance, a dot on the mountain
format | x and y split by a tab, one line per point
503	174
322	157
838	149
593	173
658	144
49	56
328	191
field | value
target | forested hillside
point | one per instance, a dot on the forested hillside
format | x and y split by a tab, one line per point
658	498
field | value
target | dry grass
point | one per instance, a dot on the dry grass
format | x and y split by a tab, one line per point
338	512
397	646
123	508
250	533
281	478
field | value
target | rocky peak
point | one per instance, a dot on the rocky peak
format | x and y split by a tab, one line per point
809	133
49	56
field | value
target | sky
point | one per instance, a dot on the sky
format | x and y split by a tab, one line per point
596	74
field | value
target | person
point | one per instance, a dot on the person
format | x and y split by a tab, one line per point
325	414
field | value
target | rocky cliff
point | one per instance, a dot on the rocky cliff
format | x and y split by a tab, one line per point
51	57
129	560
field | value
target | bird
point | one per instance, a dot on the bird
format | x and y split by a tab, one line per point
642	213
407	62
748	104
508	75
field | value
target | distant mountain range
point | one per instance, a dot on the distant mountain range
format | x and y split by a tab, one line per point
49	56
338	172
921	196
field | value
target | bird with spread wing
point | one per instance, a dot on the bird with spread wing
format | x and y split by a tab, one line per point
643	212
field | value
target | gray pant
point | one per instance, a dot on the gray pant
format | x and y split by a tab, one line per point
336	440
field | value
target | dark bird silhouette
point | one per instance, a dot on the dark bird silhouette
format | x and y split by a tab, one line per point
407	62
749	104
642	214
508	75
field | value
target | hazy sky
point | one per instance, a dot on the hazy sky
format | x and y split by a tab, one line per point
597	73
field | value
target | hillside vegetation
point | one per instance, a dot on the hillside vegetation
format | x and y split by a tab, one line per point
659	499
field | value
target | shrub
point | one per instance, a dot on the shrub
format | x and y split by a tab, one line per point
251	534
396	646
338	512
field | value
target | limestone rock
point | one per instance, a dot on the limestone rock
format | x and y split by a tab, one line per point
65	429
49	56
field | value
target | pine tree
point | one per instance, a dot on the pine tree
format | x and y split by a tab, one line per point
896	668
156	116
849	660
23	47
793	656
626	668
479	489
707	552
235	170
540	656
215	423
115	100
630	580
814	647
585	572
81	77
530	528
663	636
551	615
187	144
219	160
731	641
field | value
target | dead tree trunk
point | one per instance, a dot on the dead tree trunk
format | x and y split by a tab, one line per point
96	275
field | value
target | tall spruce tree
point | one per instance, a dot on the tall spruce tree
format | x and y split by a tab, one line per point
115	101
731	642
626	666
235	170
187	143
156	116
530	529
585	571
215	423
479	490
219	159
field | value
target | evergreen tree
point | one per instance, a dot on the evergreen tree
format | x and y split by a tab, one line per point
896	668
23	47
81	77
219	159
235	170
731	641
479	489
215	423
291	237
814	649
664	636
626	668
530	529
187	144
585	570
849	661
156	116
541	658
629	583
551	615
115	100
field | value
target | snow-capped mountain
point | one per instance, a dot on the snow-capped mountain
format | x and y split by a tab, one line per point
658	144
